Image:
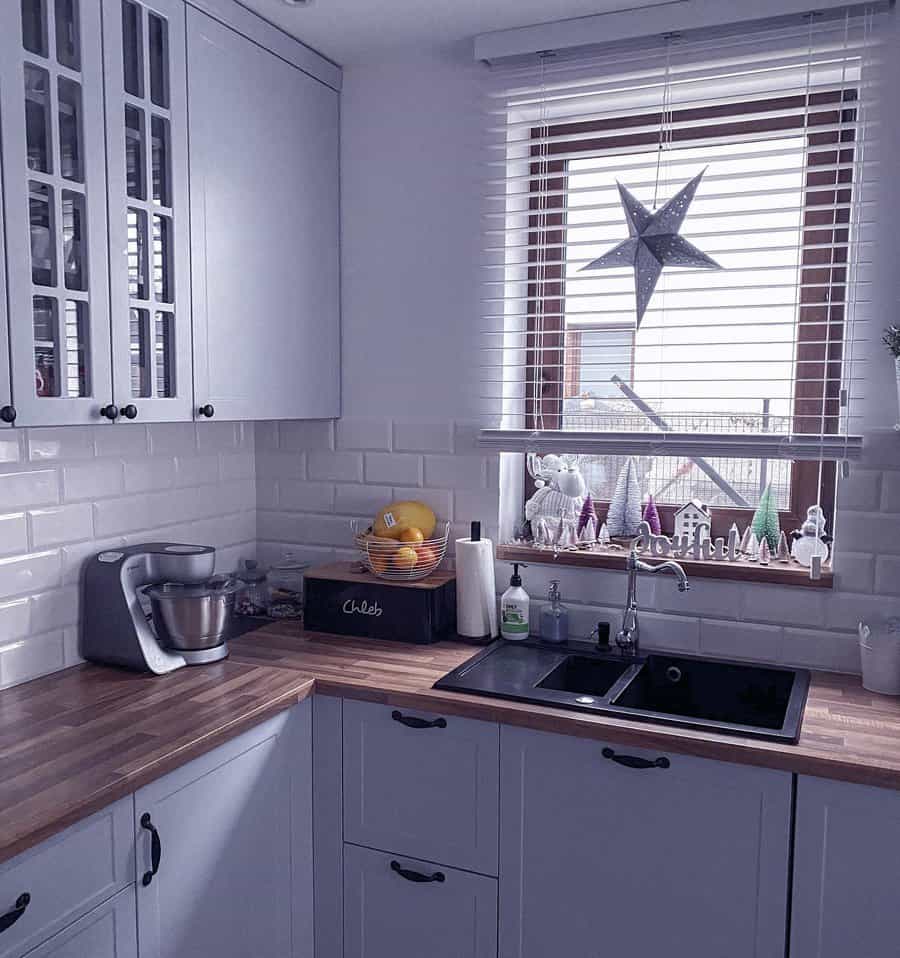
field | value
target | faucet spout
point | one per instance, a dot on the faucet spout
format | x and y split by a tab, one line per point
628	636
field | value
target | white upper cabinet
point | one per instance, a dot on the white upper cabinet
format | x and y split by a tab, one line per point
264	230
7	409
149	246
54	198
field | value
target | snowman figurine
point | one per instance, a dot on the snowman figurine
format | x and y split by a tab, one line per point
811	540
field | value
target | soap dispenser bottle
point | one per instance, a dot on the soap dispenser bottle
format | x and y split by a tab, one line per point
514	605
555	617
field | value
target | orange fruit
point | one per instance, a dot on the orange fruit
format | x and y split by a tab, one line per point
412	534
427	556
405	559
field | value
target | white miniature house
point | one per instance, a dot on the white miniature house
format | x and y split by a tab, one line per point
691	520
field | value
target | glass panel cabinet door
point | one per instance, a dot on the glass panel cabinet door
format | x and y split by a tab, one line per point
52	125
146	117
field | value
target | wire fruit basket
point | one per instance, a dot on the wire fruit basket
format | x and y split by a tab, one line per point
400	561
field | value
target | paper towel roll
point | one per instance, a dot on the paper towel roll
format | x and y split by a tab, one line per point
476	604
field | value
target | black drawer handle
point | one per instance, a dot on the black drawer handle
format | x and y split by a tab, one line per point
155	849
411	875
410	721
632	761
22	902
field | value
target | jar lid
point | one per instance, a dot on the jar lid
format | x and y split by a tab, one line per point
216	586
251	572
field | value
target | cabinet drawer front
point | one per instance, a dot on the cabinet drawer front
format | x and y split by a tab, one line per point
66	876
106	932
398	907
431	792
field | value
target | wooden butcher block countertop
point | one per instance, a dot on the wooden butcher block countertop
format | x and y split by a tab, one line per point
73	742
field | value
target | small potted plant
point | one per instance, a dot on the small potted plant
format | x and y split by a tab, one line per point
891	339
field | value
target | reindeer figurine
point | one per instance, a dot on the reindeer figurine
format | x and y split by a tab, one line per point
560	490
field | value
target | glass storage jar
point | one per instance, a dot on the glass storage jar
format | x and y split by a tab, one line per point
253	597
286	587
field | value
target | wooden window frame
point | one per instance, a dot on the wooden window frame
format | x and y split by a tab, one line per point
817	394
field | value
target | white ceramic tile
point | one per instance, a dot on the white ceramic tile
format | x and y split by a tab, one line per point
117	516
68	442
217	437
13	534
670	632
149	475
30	573
480	504
869	532
239	465
266	437
364	434
75	555
197	470
11	447
887	575
60	524
860	491
28	658
455	472
15	619
415	436
173	439
281	465
306	434
855	571
393	468
54	610
71	647
335	466
267	493
783	605
740	640
23	489
834	651
121	439
97	479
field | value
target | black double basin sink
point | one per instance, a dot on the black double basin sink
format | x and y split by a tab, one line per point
714	695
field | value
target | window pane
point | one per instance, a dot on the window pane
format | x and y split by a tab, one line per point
70	131
34	27
46	346
165	350
162	262
37	119
134	153
68	51
140	354
132	49
76	373
43	248
159	130
159	60
74	249
137	254
674	481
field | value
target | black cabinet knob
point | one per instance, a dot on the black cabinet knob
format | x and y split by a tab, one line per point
8	414
110	412
129	411
207	411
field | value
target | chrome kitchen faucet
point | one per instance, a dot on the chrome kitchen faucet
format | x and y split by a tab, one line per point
628	637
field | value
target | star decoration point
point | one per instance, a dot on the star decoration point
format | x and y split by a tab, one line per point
654	242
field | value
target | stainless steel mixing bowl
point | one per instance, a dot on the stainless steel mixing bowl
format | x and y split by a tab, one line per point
193	617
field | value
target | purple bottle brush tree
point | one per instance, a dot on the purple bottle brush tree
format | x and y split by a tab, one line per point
651	516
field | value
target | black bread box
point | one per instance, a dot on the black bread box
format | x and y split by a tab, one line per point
342	599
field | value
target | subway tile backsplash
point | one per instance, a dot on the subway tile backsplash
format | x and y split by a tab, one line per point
266	488
66	494
311	481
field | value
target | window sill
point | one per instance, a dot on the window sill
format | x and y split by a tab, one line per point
742	571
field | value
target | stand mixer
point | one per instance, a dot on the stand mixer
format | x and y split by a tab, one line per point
115	629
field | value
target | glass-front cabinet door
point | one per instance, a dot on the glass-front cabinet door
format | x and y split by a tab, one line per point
146	122
51	118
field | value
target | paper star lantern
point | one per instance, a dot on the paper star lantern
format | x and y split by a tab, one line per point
654	242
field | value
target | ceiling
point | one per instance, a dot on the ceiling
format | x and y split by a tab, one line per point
354	31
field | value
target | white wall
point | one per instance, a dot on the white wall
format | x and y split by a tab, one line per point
411	229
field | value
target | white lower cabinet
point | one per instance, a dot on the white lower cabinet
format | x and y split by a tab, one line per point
397	907
106	932
45	889
846	871
681	857
224	856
